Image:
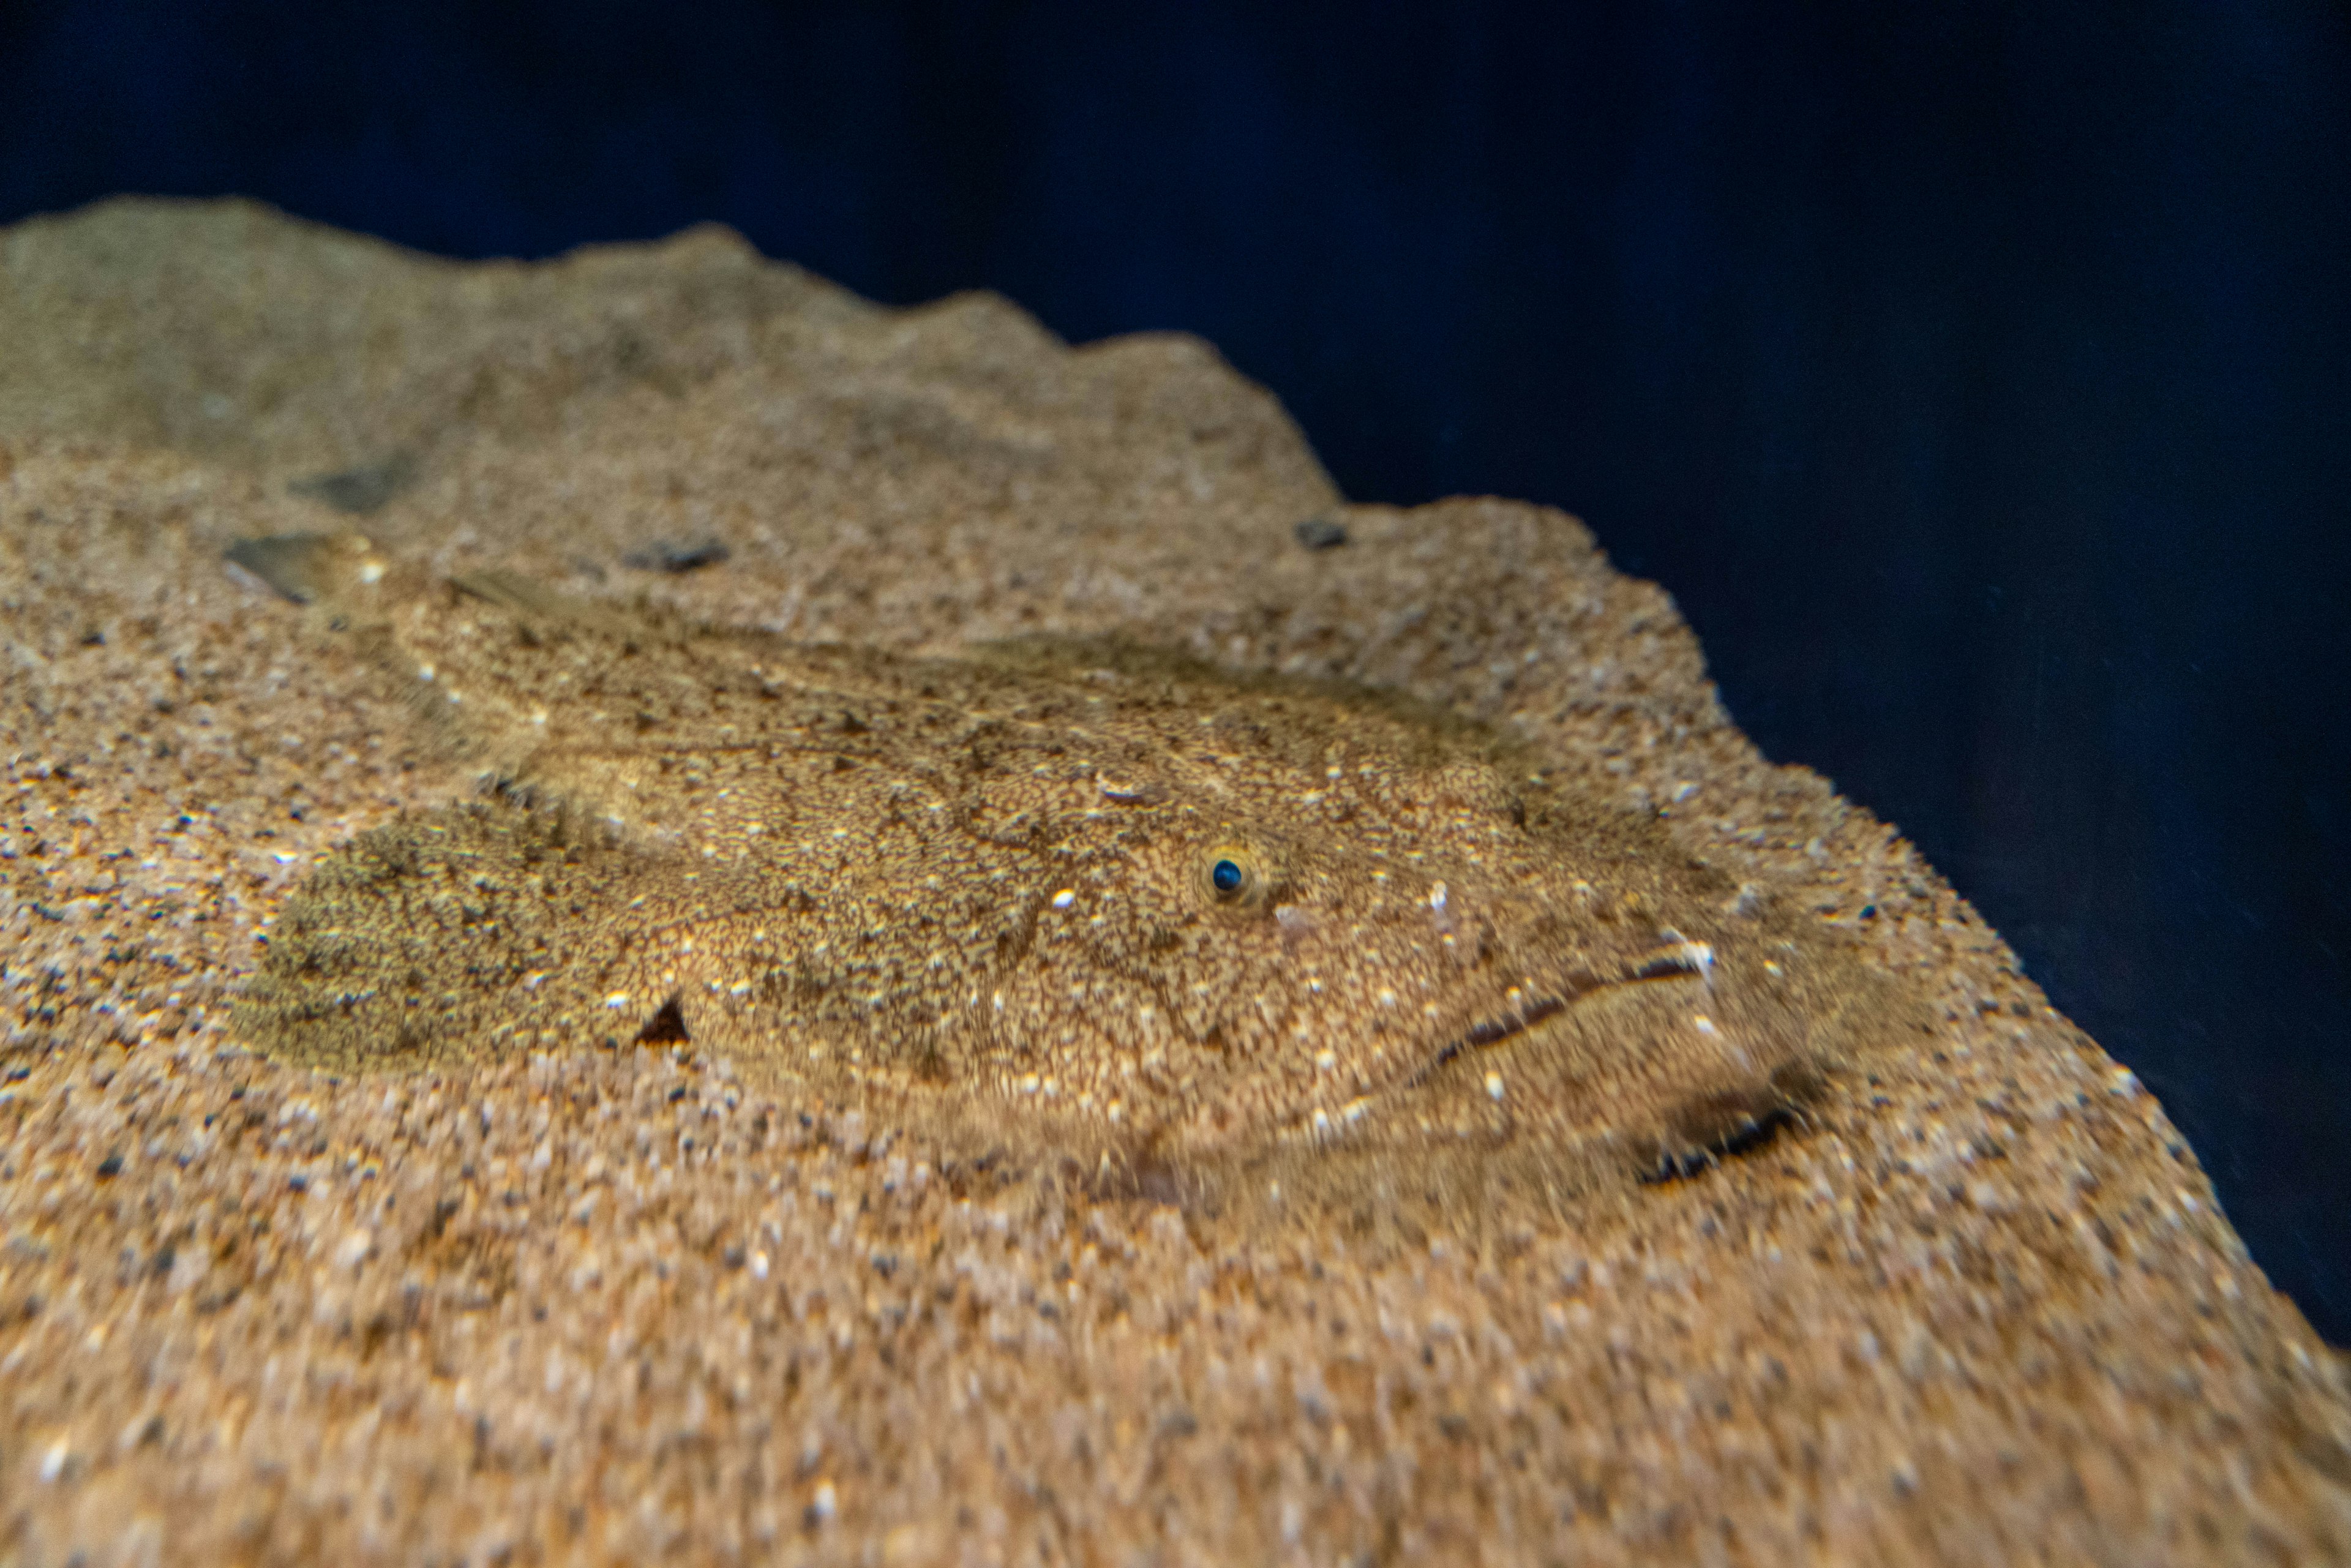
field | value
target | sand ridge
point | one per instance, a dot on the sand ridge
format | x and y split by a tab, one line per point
620	1306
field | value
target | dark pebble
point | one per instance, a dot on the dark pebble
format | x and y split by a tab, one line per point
665	555
1320	533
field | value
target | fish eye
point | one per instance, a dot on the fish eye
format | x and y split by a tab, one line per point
1234	874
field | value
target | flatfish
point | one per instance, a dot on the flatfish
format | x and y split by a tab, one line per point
1228	941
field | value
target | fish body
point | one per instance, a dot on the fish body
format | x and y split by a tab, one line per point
1200	935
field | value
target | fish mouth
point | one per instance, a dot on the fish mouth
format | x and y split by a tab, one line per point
1678	959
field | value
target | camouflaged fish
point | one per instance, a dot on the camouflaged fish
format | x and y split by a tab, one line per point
1208	936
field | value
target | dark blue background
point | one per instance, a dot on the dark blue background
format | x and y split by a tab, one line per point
1979	379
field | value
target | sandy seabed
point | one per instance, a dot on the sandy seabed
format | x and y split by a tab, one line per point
616	1306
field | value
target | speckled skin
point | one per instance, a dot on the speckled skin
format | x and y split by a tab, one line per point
1979	1306
983	895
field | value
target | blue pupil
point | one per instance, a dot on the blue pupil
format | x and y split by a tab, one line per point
1226	876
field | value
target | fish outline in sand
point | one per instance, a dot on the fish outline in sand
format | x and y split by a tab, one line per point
1210	936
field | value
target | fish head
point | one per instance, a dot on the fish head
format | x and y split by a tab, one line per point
1296	923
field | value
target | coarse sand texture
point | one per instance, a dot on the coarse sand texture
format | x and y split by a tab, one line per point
846	934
